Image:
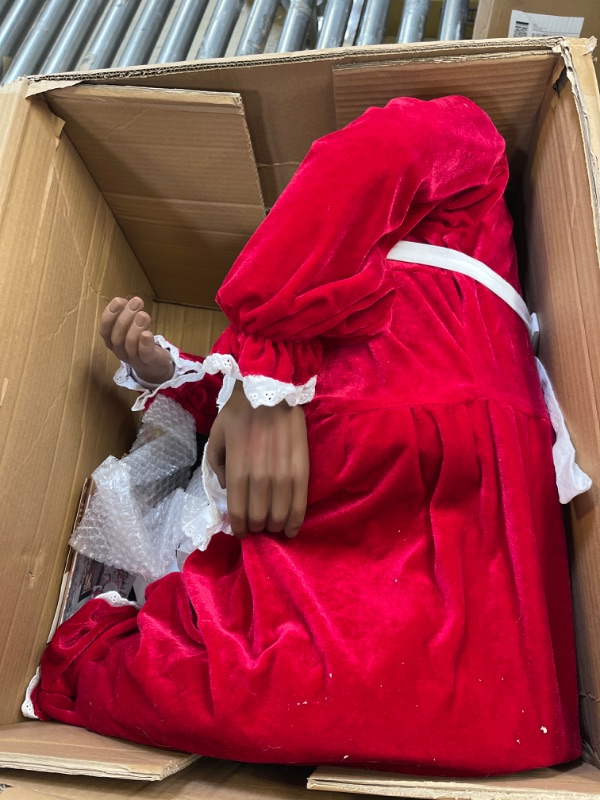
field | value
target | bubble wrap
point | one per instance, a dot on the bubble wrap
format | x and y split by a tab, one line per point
145	507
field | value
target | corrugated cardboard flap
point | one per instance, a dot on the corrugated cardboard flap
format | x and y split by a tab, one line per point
178	172
576	781
337	54
50	747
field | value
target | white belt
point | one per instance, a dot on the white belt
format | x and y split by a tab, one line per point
432	256
570	479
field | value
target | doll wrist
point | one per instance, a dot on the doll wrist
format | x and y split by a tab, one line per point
185	370
149	384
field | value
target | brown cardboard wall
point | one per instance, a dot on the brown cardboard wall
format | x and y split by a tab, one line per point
511	102
61	256
298	110
494	16
177	169
564	286
296	96
193	330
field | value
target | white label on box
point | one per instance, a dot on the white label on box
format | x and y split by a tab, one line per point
524	24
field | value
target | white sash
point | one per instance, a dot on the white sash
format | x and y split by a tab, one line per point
570	479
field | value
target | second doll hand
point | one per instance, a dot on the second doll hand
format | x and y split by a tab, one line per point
125	329
260	455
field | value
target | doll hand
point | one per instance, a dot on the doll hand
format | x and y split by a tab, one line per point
125	328
260	455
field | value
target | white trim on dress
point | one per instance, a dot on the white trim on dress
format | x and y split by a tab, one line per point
570	479
259	389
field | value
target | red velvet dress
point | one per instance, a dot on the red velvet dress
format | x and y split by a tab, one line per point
421	621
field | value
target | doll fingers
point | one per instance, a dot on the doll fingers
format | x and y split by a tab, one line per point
297	509
281	459
259	496
149	351
137	341
122	327
133	337
300	474
299	494
237	500
108	319
281	501
152	363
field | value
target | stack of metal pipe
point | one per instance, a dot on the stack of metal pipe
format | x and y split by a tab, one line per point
54	36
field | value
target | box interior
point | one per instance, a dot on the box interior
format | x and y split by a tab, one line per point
149	182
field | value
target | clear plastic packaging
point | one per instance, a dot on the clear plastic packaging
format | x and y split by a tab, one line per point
145	508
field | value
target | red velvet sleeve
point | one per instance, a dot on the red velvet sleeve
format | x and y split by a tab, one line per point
316	267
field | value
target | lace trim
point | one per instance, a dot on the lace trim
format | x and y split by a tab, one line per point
570	479
115	600
260	390
27	708
185	371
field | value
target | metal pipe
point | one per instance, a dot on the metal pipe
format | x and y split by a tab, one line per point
40	39
295	27
372	27
412	24
105	44
4	6
334	23
181	33
315	25
16	24
143	37
453	20
258	26
69	45
356	13
220	28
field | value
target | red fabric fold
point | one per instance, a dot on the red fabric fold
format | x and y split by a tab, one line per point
289	362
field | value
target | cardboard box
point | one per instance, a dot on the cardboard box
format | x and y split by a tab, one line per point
498	18
149	181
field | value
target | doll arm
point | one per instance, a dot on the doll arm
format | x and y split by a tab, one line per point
315	270
150	364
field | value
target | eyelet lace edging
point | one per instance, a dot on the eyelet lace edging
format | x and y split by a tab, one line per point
259	389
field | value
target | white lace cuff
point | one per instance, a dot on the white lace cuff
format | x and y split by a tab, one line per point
260	390
27	706
185	371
